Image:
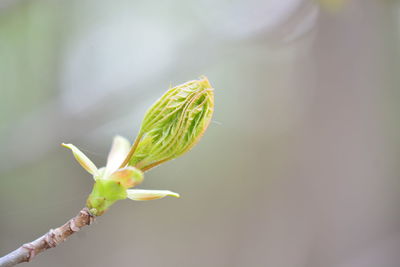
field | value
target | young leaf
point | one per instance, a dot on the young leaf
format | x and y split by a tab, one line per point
173	125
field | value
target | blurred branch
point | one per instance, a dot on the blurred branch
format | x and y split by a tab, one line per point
51	239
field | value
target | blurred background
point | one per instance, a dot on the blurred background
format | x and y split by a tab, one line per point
298	169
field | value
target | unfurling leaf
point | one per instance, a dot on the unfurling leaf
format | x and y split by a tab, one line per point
173	125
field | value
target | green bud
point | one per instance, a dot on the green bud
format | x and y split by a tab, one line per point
104	194
173	125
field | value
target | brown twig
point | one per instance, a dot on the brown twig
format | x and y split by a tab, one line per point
51	239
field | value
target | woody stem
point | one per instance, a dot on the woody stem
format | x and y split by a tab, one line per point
51	239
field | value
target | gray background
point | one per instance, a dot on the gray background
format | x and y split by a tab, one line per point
298	169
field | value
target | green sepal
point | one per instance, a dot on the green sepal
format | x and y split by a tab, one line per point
104	194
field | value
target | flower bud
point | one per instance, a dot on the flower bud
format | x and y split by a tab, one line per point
173	125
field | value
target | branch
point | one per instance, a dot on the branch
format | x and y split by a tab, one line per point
51	239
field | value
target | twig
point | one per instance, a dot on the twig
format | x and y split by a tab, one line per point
51	239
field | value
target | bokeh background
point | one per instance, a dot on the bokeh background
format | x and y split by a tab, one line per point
300	167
